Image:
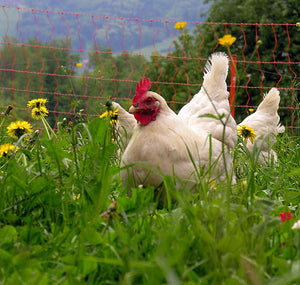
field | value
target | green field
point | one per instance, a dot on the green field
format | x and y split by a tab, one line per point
65	217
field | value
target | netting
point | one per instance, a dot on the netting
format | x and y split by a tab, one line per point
80	61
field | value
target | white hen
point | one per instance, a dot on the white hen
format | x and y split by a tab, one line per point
212	99
164	143
265	123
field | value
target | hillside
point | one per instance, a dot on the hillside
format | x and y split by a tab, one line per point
171	10
156	10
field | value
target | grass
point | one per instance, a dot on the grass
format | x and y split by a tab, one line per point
66	219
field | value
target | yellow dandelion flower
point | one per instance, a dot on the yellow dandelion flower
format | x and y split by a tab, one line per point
180	25
104	115
76	197
37	103
79	64
246	133
251	110
244	183
212	184
227	40
18	129
37	113
112	114
6	149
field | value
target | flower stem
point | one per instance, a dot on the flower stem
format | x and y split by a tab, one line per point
2	121
48	128
234	65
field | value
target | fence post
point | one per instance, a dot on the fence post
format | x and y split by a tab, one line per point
232	83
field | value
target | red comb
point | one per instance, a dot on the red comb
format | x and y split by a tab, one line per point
143	87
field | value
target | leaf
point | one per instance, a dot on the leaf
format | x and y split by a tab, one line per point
88	264
220	117
8	234
38	184
26	152
5	256
22	258
141	198
294	172
264	205
97	128
68	259
91	236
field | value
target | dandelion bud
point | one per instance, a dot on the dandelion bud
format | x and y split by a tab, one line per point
9	108
64	122
108	104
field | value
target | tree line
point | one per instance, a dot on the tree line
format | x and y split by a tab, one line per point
49	72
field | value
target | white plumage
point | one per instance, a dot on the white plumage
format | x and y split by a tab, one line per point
124	126
196	142
265	123
212	99
182	145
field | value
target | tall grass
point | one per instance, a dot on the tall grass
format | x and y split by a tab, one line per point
66	219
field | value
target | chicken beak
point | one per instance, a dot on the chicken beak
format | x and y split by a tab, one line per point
133	110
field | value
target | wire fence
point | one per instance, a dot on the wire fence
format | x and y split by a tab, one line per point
78	61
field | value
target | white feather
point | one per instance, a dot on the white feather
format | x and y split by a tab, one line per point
124	126
265	123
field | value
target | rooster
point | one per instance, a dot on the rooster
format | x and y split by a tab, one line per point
265	124
185	145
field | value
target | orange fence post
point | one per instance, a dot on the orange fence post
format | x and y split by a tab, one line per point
232	83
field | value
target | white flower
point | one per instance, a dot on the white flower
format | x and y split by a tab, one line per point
296	225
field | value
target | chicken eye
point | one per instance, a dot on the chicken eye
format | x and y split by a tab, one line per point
149	101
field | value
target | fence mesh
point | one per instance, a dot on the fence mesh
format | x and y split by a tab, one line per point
79	61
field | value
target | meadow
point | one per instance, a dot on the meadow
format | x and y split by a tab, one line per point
65	217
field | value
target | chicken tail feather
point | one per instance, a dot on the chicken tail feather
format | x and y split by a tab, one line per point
216	74
271	101
270	106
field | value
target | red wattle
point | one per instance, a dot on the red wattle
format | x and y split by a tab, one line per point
143	118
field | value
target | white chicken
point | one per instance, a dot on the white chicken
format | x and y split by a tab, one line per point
265	124
185	146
